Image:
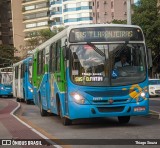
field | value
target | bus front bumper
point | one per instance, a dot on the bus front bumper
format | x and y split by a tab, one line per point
77	111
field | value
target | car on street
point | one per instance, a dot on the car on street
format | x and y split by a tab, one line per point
154	87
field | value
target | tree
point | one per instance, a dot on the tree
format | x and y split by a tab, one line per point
146	15
41	36
119	21
7	55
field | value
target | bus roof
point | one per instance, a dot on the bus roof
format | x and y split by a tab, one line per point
20	62
102	25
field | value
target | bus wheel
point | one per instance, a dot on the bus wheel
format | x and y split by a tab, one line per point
27	102
42	111
17	99
123	119
65	120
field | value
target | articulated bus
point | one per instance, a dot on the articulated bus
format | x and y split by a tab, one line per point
22	76
6	76
74	73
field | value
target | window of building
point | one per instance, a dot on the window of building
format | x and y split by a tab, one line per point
98	15
112	5
112	15
42	5
57	19
93	14
42	23
42	14
30	25
30	7
98	4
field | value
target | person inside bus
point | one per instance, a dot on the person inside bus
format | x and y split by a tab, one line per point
123	61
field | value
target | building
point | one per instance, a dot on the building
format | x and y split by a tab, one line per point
29	16
6	34
105	11
70	12
18	27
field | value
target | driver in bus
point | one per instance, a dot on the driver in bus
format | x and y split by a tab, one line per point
122	62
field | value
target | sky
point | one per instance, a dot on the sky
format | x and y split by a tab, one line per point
135	1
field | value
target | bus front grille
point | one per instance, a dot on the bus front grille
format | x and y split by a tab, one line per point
110	109
115	101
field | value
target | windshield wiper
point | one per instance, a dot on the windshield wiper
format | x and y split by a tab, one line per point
96	49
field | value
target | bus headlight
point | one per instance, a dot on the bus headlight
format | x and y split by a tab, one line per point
77	98
143	94
30	89
1	87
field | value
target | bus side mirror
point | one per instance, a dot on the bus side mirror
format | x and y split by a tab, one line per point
66	53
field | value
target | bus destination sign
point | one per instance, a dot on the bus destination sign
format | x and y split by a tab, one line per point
6	70
105	34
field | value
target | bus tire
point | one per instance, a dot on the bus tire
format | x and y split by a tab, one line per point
123	119
17	99
42	111
65	120
27	101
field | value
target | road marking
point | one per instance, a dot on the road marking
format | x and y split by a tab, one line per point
156	113
34	130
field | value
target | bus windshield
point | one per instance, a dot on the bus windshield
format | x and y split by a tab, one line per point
6	78
104	65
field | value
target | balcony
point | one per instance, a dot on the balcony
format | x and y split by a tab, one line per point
78	19
56	2
55	13
77	9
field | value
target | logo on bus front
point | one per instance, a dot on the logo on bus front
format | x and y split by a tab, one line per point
110	101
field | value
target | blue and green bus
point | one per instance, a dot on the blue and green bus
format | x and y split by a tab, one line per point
6	76
74	73
22	76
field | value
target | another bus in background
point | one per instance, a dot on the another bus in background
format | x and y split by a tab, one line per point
22	75
6	77
74	73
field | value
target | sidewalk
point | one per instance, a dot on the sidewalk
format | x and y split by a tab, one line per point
154	105
12	129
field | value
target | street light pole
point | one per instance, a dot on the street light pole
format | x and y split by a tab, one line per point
129	12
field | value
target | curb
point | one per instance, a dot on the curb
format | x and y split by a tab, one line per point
13	113
154	114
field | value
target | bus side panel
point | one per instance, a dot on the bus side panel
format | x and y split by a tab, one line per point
44	86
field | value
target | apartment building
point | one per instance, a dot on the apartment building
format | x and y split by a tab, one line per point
105	11
70	12
6	34
29	16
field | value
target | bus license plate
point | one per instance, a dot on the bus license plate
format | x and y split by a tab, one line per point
139	109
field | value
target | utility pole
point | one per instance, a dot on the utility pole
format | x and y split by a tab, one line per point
129	12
